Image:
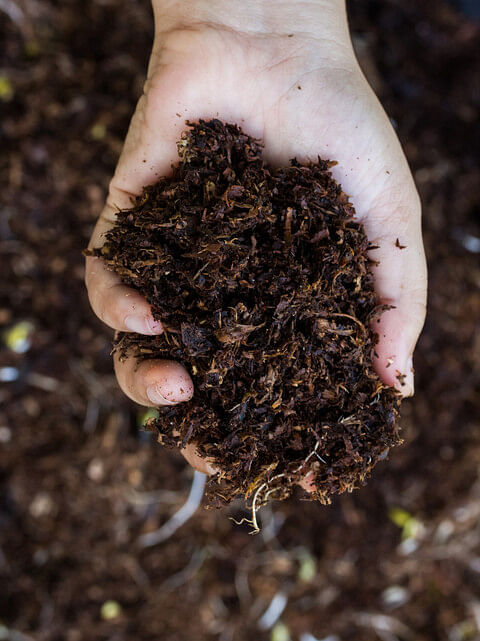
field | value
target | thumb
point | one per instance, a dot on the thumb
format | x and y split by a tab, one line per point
143	159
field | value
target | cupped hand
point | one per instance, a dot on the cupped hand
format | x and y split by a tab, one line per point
304	94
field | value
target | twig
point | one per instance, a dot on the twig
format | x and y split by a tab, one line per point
91	416
242	586
183	576
200	271
16	635
475	608
179	518
271	527
242	521
382	623
256	529
13	11
352	318
45	383
259	500
256	496
312	453
135	497
274	611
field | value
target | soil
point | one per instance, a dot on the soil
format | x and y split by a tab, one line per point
398	559
270	309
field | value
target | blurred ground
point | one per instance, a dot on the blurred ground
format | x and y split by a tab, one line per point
397	560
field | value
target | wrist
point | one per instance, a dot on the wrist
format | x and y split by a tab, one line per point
322	19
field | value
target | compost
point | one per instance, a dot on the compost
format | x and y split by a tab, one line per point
261	279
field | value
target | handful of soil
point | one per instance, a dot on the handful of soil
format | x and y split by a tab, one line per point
261	279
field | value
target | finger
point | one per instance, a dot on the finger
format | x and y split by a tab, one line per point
373	171
141	162
196	461
160	383
153	383
117	305
400	281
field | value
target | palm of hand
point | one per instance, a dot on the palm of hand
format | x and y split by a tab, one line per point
303	99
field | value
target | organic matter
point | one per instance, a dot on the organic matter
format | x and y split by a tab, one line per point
261	279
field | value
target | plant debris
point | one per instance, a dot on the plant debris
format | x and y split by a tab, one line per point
261	280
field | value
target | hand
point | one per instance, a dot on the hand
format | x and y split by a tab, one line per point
284	72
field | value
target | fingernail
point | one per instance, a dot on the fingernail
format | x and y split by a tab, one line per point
156	397
211	469
155	326
143	325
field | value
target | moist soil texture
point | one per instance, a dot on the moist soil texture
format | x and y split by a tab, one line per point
80	481
261	278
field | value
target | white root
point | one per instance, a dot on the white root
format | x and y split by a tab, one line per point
13	11
258	500
273	612
179	518
254	507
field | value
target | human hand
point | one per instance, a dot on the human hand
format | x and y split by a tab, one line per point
286	73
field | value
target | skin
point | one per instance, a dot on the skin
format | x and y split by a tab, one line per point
286	72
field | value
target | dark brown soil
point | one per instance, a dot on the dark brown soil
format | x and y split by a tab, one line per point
261	279
76	474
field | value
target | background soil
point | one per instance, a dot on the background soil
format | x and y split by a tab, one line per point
397	560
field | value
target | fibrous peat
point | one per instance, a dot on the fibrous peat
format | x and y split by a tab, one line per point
261	279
